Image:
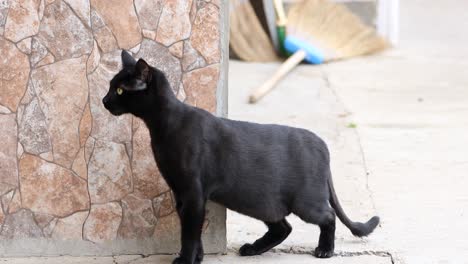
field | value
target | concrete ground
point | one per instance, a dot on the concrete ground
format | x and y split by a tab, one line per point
397	128
407	157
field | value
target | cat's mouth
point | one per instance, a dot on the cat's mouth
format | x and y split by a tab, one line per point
116	112
113	111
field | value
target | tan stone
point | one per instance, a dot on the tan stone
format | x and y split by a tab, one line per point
51	189
8	161
177	49
70	228
93	59
79	165
96	20
149	12
48	156
103	222
28	96
193	10
89	148
15	203
22	20
124	25
201	85
105	39
160	57
129	149
43	220
135	49
106	126
168	228
5	187
205	34
11	202
49	228
38	51
174	23
55	32
164	205
191	58
19	112
147	180
41	9
149	34
48	59
25	45
181	93
33	134
112	62
138	218
6	199
4	110
2	216
62	90
20	225
14	73
109	172
19	151
85	125
4	6
82	9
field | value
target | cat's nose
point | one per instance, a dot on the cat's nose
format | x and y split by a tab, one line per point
105	100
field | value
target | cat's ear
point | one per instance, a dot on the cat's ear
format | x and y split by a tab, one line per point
127	59
142	76
142	70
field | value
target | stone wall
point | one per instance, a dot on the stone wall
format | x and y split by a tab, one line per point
73	178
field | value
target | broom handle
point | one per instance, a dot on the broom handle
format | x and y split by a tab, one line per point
286	67
279	8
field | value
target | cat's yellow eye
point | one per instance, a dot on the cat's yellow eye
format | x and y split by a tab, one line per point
119	91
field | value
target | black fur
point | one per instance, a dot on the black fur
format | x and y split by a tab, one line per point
263	171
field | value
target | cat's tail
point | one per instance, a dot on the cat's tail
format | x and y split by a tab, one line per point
358	229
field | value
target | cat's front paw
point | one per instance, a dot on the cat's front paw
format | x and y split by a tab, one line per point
179	260
248	250
323	253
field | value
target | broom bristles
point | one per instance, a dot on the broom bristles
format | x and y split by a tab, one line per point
333	29
248	40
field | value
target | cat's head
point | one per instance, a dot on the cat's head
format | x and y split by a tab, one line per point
129	89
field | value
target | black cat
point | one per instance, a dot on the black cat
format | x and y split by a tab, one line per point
263	171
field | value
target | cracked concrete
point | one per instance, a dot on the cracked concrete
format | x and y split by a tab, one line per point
269	258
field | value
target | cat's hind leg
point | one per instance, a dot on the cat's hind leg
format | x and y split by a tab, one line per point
277	233
326	244
324	217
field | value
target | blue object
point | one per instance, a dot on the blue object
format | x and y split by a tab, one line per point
313	55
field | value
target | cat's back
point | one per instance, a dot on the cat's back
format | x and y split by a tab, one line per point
272	133
225	136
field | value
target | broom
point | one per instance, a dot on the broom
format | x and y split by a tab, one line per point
248	40
333	30
321	31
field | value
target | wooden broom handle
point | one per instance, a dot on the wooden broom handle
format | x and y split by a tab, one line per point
286	67
279	8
